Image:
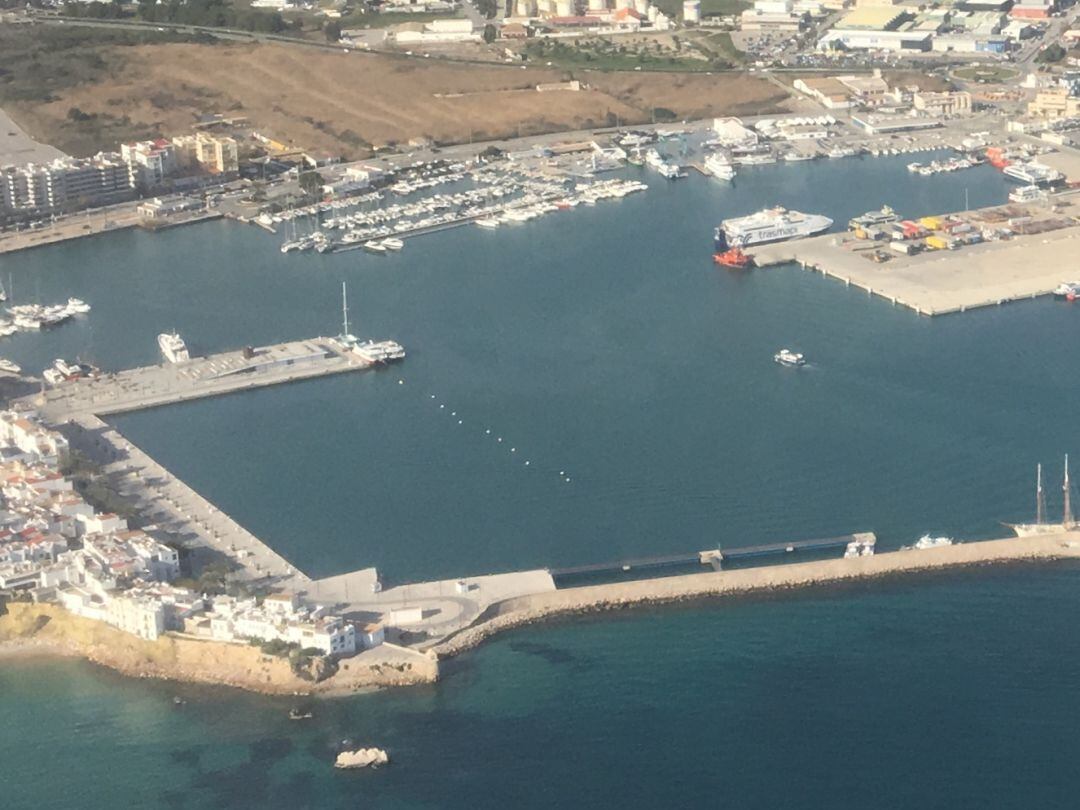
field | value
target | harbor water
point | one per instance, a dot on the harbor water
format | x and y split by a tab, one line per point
637	381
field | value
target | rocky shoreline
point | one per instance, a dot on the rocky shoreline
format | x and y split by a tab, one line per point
31	629
47	630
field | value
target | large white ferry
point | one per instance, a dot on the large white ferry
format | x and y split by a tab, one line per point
173	347
771	225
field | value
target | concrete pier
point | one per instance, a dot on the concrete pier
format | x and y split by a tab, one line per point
224	373
940	282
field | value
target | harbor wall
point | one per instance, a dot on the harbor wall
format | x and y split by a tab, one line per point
526	610
49	630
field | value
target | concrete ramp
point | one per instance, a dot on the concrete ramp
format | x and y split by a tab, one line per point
355	586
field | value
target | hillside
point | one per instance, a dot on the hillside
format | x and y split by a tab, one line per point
84	93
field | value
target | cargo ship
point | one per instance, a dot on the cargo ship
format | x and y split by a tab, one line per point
770	225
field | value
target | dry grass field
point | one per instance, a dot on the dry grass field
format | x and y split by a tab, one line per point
335	101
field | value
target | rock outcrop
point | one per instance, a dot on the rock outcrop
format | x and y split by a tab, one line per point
362	758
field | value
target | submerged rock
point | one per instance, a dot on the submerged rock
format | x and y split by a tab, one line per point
362	758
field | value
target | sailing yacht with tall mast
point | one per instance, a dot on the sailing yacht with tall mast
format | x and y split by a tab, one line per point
1040	526
375	352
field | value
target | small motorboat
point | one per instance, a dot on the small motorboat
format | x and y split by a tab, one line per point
786	357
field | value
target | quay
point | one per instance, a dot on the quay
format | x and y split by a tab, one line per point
214	375
166	503
940	282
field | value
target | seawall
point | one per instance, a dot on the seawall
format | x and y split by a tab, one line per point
30	629
596	598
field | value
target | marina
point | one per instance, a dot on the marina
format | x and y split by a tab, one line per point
488	196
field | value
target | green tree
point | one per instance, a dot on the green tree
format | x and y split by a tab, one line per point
311	183
332	29
1051	53
489	33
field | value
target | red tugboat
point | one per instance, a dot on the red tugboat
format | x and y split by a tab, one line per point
729	255
733	258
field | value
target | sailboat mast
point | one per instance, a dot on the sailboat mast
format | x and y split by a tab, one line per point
1067	516
1040	498
344	310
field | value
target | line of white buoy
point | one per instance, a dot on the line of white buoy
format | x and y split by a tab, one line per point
487	432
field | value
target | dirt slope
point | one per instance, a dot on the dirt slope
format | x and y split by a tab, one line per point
344	102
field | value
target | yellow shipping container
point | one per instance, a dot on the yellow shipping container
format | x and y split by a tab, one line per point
937	243
930	223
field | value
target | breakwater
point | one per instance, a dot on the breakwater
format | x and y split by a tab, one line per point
526	610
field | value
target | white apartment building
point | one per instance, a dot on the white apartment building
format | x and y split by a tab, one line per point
149	162
65	183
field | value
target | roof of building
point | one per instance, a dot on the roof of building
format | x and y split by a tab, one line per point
826	86
871	17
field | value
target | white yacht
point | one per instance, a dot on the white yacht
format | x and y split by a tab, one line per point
9	367
173	347
1033	173
654	159
718	165
381	352
77	306
374	247
672	171
1027	194
926	541
488	223
393	243
772	225
786	357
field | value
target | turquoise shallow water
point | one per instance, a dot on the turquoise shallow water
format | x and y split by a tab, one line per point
604	344
956	691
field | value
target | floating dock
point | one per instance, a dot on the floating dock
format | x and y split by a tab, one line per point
214	375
